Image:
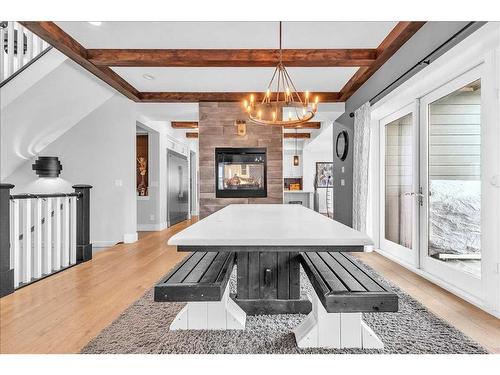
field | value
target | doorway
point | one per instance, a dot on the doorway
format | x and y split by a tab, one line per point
177	188
430	183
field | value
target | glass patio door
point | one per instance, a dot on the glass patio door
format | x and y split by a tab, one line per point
399	185
450	174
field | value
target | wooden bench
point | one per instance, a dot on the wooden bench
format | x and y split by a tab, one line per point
343	291
202	280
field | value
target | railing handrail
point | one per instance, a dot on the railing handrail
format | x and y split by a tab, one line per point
24	67
53	195
22	49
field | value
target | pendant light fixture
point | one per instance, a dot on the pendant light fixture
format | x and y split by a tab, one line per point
280	94
296	156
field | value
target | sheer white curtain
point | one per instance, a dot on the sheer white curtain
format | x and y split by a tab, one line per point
360	167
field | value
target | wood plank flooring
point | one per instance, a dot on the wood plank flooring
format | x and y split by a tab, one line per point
60	314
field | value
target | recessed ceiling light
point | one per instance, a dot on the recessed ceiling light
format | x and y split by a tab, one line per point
148	77
95	23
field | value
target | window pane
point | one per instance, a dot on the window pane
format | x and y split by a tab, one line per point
455	178
399	181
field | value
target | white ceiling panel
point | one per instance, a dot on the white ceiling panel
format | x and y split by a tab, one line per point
228	34
335	34
232	79
174	34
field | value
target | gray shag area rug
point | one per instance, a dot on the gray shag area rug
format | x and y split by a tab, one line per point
143	328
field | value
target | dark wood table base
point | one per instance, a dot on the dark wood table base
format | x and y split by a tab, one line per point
269	283
273	306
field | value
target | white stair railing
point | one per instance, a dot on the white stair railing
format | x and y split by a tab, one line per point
43	236
18	48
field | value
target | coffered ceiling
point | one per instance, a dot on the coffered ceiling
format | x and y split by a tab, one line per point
224	61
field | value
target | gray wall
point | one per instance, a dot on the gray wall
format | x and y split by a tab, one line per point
427	39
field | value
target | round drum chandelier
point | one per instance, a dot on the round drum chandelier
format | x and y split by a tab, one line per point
281	104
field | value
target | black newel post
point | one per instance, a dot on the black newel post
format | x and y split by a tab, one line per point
6	274
83	245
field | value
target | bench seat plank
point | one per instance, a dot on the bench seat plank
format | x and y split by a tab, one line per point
351	283
201	268
181	273
213	272
354	270
332	281
357	291
200	277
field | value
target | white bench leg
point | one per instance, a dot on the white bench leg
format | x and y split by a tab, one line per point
334	330
220	315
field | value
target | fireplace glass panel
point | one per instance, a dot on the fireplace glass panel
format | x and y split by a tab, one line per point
241	173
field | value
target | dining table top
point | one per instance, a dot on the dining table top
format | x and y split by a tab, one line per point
249	225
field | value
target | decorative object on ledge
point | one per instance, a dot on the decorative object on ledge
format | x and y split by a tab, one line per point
241	127
47	166
281	93
142	150
342	145
324	173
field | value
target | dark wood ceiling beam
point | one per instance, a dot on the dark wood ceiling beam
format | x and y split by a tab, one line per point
194	97
191	135
184	124
398	36
297	135
307	125
231	57
60	40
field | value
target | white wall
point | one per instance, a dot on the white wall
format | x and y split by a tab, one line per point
41	104
99	150
320	149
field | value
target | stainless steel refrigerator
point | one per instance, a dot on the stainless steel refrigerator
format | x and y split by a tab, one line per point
177	188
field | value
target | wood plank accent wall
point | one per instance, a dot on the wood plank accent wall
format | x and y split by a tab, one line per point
217	129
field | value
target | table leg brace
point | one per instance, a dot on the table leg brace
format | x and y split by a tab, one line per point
220	315
321	329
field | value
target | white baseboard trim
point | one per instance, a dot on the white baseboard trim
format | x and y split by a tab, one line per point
151	227
100	244
130	237
443	284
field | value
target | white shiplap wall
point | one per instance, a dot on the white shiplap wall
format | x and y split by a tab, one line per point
455	136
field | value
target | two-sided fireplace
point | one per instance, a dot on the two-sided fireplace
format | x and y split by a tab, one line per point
240	172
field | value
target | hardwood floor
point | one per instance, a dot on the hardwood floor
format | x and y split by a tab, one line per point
60	314
474	322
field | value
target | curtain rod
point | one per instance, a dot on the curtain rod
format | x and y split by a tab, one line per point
427	59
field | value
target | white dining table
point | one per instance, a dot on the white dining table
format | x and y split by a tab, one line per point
267	239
